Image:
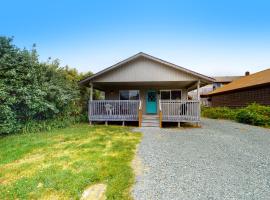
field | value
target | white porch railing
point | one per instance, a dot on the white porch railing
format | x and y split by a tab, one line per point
180	111
113	110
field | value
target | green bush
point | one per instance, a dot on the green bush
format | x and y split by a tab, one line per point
36	94
219	113
253	114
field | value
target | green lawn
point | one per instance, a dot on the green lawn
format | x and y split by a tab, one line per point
62	163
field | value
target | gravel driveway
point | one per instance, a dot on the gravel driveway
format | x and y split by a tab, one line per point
221	160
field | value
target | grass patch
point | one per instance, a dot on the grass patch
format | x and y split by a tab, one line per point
253	114
62	163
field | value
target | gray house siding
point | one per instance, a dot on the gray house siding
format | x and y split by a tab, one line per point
113	94
144	70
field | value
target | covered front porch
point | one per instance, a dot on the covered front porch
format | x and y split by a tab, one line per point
164	102
147	90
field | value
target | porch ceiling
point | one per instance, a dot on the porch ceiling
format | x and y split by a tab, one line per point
161	84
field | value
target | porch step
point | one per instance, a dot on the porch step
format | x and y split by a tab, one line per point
150	117
150	124
150	121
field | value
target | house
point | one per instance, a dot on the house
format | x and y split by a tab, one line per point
146	89
220	81
254	88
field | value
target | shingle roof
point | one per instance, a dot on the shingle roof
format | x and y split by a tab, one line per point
259	78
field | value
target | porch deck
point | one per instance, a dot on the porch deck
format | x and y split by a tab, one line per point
131	110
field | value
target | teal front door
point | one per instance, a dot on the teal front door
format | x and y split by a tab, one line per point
151	102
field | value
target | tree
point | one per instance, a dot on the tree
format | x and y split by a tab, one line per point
31	90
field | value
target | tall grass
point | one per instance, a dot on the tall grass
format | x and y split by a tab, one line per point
35	126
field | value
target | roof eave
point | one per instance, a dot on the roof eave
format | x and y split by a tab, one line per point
237	89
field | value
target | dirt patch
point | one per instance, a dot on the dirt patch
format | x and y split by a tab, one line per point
20	168
137	165
95	192
52	195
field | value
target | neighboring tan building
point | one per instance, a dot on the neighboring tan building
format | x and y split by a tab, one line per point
254	88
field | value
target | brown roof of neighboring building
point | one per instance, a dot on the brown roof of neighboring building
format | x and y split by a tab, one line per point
259	78
226	79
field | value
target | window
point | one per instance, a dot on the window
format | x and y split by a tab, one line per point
134	95
165	95
176	94
129	95
124	95
170	94
151	97
217	85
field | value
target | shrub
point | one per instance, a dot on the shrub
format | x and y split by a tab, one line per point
254	114
219	113
35	94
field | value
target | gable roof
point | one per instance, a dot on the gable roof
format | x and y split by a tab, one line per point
259	78
141	54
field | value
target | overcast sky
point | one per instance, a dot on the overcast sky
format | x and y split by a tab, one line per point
211	37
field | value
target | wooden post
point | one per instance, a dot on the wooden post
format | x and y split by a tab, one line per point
123	123
140	117
106	123
140	113
179	124
160	119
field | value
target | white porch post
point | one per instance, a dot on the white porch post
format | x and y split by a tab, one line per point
90	99
199	103
91	91
198	92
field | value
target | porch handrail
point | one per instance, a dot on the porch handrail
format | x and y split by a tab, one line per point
180	110
113	110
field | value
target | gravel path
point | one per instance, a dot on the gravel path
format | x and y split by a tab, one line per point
222	160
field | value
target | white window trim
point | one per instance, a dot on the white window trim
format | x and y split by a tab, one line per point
170	90
129	95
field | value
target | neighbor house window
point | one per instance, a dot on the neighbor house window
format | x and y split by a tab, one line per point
129	95
170	94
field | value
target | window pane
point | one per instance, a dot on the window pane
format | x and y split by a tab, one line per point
151	96
124	95
165	95
176	95
133	95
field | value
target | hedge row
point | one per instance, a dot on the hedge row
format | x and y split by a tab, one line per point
253	114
